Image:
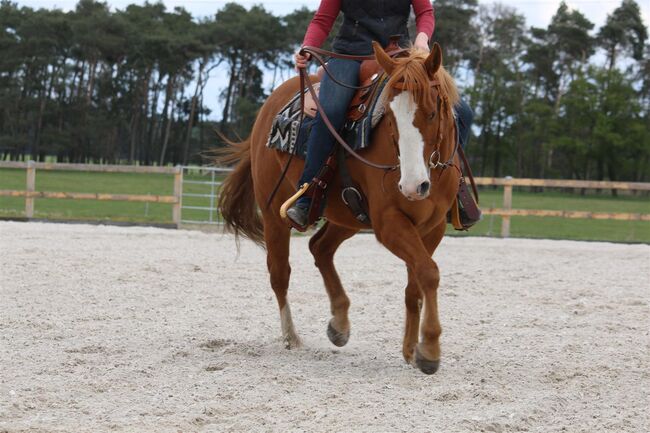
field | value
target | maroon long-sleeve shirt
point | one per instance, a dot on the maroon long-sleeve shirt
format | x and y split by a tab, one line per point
320	26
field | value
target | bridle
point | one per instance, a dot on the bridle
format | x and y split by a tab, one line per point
434	159
305	81
442	108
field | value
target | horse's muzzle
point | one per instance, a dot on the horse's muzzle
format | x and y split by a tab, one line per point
419	192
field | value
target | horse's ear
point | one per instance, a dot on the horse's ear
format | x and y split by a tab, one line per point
383	59
433	62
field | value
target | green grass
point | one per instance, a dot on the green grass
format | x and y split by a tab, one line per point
113	183
535	227
563	228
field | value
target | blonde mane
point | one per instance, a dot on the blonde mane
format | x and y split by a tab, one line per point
411	72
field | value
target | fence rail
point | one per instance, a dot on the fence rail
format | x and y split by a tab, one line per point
506	212
562	183
30	192
90	196
89	167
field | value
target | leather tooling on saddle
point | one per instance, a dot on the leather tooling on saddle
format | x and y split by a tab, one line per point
365	112
292	126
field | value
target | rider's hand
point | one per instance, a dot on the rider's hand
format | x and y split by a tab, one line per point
422	42
301	61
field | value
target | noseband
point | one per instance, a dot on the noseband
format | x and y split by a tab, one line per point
305	81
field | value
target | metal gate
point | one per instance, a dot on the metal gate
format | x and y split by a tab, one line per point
200	193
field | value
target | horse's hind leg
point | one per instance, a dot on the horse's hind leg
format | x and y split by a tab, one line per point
323	245
277	237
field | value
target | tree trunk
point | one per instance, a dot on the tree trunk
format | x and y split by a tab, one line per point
80	85
190	122
231	84
497	148
92	71
611	168
154	119
169	99
137	111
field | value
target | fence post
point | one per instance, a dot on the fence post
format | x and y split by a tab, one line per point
31	187
178	193
507	205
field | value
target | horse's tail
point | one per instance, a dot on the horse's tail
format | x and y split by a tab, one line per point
237	198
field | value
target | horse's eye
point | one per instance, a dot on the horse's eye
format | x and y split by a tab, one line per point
432	115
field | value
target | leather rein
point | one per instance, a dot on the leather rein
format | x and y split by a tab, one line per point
305	81
434	159
317	53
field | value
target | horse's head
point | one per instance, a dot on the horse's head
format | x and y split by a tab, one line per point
421	94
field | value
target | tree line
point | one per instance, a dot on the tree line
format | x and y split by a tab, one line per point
115	86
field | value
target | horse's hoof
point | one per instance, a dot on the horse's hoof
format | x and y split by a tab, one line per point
408	356
426	366
291	341
337	338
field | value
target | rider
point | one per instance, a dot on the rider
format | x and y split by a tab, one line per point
364	21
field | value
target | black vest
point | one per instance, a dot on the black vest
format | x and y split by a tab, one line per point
371	20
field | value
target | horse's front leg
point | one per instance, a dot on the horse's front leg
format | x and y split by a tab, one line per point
323	246
397	233
413	301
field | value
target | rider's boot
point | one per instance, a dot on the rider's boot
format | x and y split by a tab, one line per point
299	212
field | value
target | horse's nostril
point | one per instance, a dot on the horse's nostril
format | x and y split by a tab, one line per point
424	188
399	185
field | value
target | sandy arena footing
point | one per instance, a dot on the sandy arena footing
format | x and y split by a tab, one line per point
152	330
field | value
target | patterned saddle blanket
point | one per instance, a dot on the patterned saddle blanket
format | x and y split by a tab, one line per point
287	135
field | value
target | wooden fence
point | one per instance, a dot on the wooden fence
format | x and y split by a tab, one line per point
30	192
506	212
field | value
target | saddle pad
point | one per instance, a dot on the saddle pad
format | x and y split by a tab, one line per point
288	136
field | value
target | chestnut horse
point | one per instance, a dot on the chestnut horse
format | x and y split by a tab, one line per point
407	207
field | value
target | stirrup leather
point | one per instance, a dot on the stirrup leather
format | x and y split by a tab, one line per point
464	211
316	190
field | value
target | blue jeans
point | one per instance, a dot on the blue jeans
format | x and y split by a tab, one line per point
335	100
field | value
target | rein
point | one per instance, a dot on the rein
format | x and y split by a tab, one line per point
318	54
304	78
434	159
305	81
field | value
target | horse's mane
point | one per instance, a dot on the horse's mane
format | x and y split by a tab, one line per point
409	70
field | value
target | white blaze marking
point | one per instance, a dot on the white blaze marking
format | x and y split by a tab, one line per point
411	145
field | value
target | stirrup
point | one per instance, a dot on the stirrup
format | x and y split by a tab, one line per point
464	213
287	204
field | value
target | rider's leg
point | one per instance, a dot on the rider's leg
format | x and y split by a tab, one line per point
335	100
465	118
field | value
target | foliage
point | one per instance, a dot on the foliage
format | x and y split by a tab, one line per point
96	84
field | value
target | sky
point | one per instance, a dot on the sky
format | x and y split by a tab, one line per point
538	13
